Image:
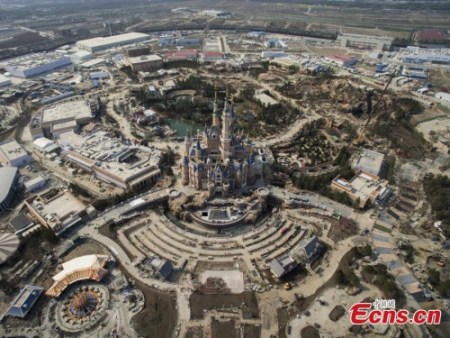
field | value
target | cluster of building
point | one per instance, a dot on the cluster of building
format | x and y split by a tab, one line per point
305	253
221	160
89	267
106	157
57	210
60	118
35	64
364	189
364	41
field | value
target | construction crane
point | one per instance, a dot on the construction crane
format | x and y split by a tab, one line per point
359	139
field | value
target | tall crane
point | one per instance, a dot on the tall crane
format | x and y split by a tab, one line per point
375	109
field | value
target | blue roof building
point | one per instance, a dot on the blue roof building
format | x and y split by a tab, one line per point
24	301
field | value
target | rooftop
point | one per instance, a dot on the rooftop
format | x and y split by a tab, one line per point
25	300
7	176
32	60
56	206
81	263
111	40
21	222
12	150
8	246
369	159
124	162
430	35
144	58
67	110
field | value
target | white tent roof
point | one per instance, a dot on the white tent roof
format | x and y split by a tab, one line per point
80	263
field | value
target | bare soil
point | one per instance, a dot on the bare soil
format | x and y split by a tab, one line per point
224	329
88	247
245	301
159	316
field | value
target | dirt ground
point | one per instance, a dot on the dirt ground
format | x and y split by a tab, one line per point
342	229
224	329
199	302
159	316
88	247
285	314
251	331
194	332
22	39
440	78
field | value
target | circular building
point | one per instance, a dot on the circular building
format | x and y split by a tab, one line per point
8	246
83	304
8	183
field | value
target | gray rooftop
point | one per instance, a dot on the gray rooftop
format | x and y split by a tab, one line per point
21	222
24	301
7	176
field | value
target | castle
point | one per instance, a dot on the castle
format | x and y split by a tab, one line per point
218	160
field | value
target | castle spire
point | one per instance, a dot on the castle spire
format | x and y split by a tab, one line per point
215	120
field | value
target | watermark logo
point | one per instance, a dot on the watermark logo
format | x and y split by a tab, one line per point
382	311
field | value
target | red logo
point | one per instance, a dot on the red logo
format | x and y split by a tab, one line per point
370	313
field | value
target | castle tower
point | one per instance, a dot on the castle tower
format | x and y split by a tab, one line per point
185	170
198	150
216	118
187	144
239	177
226	138
244	173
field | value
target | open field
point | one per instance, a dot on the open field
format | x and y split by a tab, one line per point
22	39
159	317
328	18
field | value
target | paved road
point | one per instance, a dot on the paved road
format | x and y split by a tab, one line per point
314	200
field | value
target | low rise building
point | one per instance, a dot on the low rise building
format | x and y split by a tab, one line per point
364	41
210	56
44	146
35	184
144	63
65	116
8	185
102	43
162	267
365	188
22	224
269	54
57	210
342	60
35	64
24	301
307	250
265	99
81	56
282	265
89	267
4	81
139	51
128	167
370	161
181	55
13	155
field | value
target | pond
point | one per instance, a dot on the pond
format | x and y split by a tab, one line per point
182	127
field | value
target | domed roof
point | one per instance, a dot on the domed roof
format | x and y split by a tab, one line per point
8	246
82	304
